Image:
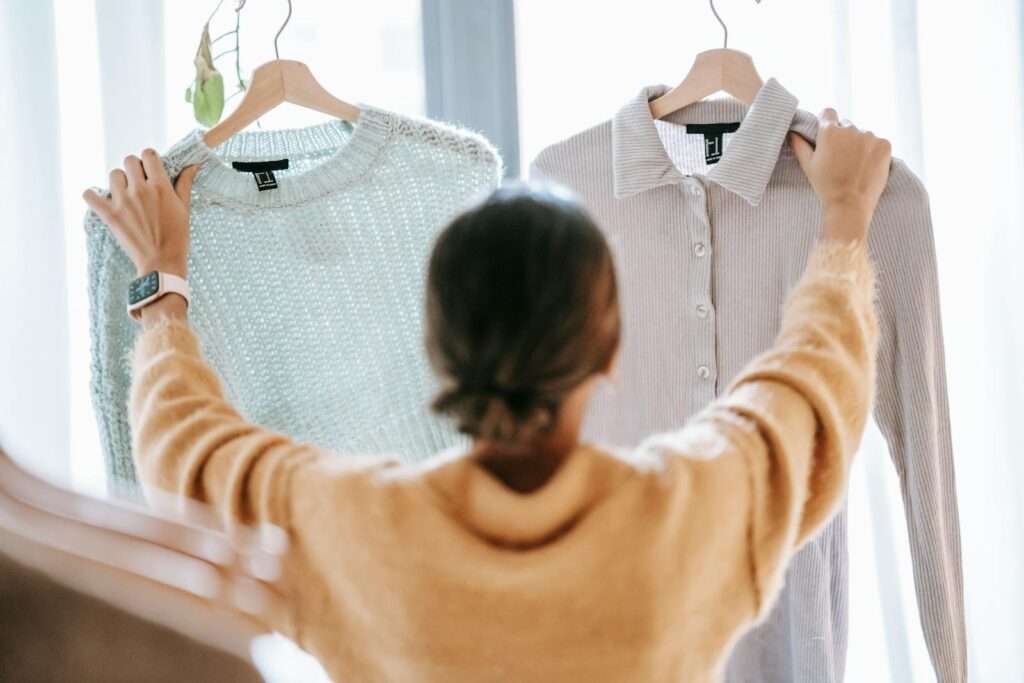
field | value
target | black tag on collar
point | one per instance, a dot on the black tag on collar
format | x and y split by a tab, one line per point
262	171
712	133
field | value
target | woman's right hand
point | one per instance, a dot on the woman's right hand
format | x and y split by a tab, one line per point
848	169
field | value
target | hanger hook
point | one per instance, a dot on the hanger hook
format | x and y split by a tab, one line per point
725	29
278	34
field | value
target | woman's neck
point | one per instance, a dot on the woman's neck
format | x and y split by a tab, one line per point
525	468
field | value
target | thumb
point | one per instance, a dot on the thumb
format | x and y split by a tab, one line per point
183	184
803	151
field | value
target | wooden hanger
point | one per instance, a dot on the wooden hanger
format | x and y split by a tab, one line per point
277	81
716	70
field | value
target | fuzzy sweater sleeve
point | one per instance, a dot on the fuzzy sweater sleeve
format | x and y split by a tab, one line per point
188	439
773	452
823	367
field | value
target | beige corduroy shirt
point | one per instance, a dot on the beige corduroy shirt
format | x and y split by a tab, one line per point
710	229
642	565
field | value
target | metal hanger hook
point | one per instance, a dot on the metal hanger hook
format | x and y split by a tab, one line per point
286	20
725	29
241	4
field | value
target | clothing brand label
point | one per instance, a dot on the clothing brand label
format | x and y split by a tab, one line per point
262	171
712	133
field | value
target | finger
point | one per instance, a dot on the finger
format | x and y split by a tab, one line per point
104	208
884	148
101	205
118	184
183	185
846	123
828	114
133	169
802	149
154	167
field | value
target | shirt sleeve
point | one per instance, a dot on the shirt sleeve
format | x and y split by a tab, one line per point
912	412
187	439
777	445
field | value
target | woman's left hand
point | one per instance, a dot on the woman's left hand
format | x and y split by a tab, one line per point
147	215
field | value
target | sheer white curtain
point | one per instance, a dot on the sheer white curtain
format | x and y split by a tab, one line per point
34	363
944	81
973	159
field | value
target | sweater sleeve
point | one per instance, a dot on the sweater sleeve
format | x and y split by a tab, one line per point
790	422
912	412
188	439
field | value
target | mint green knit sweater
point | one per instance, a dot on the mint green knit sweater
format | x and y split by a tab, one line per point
307	296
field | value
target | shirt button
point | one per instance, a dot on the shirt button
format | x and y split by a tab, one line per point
699	249
696	191
703	371
702	311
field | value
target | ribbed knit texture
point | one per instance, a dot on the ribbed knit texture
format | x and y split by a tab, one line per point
624	566
307	297
705	255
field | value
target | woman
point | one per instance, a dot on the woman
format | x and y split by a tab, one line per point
531	556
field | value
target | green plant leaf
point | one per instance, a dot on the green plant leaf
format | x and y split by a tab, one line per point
208	100
204	58
207	92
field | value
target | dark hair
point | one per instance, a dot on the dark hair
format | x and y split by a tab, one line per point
522	307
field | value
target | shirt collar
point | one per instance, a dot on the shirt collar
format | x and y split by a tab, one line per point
641	162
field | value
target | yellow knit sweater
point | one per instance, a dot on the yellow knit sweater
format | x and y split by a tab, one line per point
636	566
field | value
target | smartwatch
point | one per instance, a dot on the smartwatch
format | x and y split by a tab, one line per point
150	287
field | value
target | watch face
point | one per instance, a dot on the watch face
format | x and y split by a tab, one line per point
143	287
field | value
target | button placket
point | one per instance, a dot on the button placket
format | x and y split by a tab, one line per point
702	338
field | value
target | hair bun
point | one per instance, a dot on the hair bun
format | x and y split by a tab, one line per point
497	414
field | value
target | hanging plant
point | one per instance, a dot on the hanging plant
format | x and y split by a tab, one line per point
206	93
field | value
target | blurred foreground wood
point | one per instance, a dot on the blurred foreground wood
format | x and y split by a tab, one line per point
94	590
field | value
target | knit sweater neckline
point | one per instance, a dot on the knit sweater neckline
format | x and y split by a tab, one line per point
506	516
353	149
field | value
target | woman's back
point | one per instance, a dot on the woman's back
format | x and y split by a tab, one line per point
606	573
572	563
643	567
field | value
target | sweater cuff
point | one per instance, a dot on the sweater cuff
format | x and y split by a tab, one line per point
166	334
846	260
